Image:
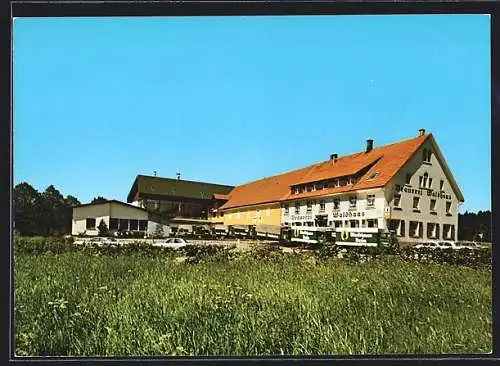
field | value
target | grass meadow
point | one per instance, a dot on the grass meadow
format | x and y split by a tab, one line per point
77	304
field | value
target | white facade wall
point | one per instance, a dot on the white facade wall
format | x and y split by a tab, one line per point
362	212
102	211
416	168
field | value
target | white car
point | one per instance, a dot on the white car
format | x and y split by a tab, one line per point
466	245
427	244
174	243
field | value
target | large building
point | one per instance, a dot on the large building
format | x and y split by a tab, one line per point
176	197
171	203
406	187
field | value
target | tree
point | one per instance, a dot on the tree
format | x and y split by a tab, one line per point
158	233
46	213
27	202
99	199
53	215
103	228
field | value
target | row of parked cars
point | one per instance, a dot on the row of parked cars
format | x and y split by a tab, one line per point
450	245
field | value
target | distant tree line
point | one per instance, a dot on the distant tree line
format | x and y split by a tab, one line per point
43	213
475	226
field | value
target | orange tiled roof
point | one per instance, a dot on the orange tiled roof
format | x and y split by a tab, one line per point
386	160
266	190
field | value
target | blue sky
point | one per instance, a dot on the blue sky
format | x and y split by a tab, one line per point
233	99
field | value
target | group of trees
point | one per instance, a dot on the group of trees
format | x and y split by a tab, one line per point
475	226
43	213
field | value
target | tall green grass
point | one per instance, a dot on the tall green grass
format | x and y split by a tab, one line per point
79	304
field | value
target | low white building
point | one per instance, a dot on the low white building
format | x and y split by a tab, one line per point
118	216
406	187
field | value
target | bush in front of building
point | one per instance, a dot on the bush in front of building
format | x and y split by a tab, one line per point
103	229
40	245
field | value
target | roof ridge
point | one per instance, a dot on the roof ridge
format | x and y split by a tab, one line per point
183	180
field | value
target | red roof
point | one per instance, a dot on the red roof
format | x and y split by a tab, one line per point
387	160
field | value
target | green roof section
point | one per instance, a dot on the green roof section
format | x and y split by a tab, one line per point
149	185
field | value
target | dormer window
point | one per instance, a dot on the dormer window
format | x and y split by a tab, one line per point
319	186
309	187
295	190
373	176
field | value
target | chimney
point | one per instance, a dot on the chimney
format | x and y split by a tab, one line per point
369	145
333	157
421	132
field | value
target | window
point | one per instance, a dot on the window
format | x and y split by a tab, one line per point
338	224
432	231
143	225
370	200
123	224
134	224
423	180
322	206
372	222
268	212
309	187
343	182
427	155
295	190
429	183
448	231
373	176
301	189
113	224
441	185
287	209
352	202
398	226
309	206
297	208
319	186
336	203
90	224
433	205
408	179
354	223
397	200
415	229
448	207
352	180
416	202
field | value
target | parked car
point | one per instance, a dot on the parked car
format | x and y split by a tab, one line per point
428	244
466	245
446	245
174	243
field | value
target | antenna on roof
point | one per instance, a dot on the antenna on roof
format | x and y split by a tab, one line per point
178	176
154	172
